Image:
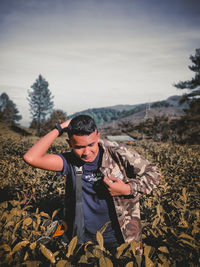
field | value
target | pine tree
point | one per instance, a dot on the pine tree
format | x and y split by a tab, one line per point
8	110
189	125
40	101
193	85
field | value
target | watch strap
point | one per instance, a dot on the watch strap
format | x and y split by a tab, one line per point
59	128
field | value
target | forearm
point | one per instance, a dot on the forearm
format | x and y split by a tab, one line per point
37	155
146	181
41	147
143	175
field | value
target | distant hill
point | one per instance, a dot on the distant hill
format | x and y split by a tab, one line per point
14	130
137	113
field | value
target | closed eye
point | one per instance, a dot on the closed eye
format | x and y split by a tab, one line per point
92	144
79	147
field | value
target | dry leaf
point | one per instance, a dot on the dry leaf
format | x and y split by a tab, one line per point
33	245
134	246
100	240
121	249
63	263
54	214
163	249
5	247
47	253
130	264
105	261
27	222
20	245
72	246
32	263
44	214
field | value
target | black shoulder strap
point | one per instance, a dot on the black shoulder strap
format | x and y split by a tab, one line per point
78	182
79	217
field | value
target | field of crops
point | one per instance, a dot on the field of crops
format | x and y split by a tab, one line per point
32	202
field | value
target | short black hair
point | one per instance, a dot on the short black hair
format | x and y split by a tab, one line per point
81	125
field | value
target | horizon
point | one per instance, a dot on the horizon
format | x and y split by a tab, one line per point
27	124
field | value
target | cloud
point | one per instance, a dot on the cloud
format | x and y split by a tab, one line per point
95	53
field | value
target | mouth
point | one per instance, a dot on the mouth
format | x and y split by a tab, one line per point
86	158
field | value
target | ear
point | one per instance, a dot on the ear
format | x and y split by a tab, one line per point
98	135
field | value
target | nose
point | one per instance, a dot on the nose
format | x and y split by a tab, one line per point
86	150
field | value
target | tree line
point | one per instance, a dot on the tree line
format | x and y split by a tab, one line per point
44	116
41	105
183	130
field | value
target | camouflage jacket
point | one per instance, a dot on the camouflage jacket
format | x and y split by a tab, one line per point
142	176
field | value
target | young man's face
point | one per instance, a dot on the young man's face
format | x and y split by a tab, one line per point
85	147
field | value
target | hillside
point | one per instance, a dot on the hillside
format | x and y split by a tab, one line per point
136	113
13	131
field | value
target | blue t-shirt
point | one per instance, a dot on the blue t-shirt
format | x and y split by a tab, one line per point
97	202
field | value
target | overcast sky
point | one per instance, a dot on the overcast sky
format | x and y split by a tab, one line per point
96	53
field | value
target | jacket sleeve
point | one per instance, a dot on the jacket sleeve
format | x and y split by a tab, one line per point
142	175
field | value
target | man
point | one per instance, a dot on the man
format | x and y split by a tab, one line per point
112	181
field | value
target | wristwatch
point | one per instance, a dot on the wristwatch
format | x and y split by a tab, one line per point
58	127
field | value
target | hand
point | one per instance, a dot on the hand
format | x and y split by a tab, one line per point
117	187
65	124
